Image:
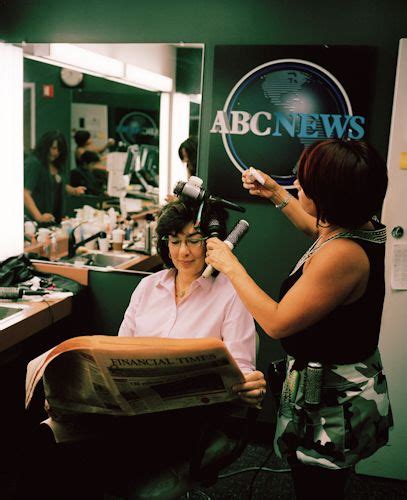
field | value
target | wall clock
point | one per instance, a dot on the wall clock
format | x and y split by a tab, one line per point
70	77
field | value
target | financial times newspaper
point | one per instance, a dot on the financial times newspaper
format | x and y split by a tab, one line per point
125	376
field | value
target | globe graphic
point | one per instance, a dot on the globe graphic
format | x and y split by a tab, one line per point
286	88
137	127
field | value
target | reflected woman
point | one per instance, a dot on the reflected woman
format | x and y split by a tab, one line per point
45	179
188	152
84	143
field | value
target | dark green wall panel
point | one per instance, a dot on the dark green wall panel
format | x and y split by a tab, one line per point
110	294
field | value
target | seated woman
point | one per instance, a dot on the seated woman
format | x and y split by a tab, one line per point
84	142
179	303
87	174
175	303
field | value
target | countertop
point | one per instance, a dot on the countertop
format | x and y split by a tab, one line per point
34	317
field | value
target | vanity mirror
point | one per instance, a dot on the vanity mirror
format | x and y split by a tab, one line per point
143	96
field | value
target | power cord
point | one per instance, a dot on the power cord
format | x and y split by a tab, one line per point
248	469
51	314
258	469
262	468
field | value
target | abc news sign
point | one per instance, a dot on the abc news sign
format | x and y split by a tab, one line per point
277	109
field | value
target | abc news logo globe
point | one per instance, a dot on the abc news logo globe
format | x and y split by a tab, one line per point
279	108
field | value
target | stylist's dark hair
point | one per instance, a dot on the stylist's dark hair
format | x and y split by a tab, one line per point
177	214
191	147
44	145
347	181
81	137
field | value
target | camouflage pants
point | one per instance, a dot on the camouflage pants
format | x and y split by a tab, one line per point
351	422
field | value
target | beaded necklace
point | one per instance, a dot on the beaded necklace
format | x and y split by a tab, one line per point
373	236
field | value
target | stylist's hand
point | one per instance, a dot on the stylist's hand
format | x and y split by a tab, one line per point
252	390
45	217
79	191
75	191
219	255
257	189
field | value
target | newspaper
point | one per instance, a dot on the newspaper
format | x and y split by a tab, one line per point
123	376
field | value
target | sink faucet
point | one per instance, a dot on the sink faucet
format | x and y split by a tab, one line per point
73	245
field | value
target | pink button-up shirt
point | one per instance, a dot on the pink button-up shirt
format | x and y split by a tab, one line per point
211	309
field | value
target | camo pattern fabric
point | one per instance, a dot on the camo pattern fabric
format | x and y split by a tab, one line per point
351	422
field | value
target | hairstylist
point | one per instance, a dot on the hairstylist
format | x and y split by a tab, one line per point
45	179
328	313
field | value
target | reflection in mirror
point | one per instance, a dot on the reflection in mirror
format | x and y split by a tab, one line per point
103	125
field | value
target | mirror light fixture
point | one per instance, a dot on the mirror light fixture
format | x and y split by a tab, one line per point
147	79
87	60
179	133
11	133
164	185
94	63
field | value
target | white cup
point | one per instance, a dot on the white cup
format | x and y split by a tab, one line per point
29	228
43	234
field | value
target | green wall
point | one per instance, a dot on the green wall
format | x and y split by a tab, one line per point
272	245
51	113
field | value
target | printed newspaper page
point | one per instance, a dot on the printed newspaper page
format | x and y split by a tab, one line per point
131	376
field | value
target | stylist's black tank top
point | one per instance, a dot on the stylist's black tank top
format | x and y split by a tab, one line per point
350	332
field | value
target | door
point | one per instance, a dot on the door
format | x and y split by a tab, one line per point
90	117
390	461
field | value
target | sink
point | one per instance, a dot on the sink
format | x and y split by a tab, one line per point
99	259
7	310
104	260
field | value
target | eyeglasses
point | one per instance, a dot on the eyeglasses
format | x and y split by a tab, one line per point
191	242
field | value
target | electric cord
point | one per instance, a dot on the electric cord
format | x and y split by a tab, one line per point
248	469
258	471
51	314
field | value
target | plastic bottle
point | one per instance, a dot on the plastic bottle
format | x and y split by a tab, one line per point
112	218
103	242
129	228
53	247
150	237
47	246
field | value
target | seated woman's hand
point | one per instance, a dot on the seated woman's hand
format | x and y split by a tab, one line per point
252	390
254	187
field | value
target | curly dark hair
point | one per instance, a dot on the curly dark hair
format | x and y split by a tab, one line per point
347	181
44	145
177	214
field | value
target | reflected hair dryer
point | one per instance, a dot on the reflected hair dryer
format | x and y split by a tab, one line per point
193	190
